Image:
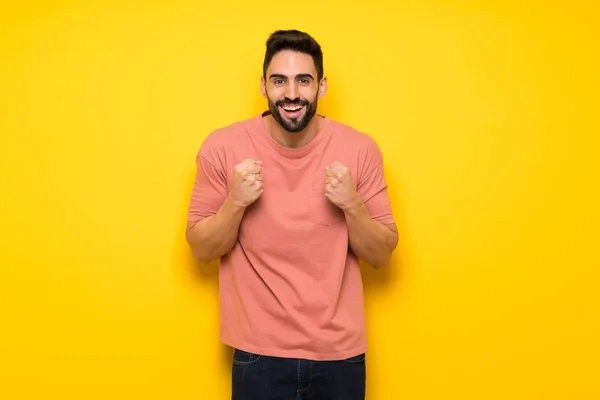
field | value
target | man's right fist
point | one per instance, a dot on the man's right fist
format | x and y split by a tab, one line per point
247	183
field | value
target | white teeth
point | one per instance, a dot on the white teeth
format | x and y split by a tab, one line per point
292	108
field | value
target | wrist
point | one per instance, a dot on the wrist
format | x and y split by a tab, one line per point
234	205
354	207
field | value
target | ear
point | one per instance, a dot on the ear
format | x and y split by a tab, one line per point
263	87
322	87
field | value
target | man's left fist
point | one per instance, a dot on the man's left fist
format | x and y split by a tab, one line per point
339	186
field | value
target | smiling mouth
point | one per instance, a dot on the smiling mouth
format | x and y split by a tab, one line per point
291	109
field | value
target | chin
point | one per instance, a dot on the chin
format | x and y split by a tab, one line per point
297	127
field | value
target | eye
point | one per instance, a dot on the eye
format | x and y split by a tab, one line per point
278	81
304	81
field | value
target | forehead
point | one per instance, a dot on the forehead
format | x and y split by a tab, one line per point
289	62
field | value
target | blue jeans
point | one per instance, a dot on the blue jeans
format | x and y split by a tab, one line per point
258	377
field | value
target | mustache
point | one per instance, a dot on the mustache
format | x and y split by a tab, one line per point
297	102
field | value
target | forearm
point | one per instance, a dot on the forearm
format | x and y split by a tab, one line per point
369	240
214	236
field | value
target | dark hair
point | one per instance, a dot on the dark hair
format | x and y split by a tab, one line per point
296	41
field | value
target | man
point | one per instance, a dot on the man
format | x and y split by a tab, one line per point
289	201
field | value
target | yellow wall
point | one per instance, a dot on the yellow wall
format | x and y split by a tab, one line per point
484	114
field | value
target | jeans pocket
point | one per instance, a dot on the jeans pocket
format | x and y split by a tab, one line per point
241	357
356	359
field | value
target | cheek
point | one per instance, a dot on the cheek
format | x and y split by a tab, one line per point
310	94
275	95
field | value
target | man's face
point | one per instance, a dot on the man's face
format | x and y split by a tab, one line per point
292	89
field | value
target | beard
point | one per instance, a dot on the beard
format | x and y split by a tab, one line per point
294	125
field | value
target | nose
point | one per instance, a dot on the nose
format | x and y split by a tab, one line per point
291	91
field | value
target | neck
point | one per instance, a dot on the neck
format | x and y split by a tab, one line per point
293	139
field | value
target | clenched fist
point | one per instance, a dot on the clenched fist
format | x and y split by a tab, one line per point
247	183
339	186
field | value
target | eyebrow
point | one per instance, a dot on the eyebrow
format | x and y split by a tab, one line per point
281	76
